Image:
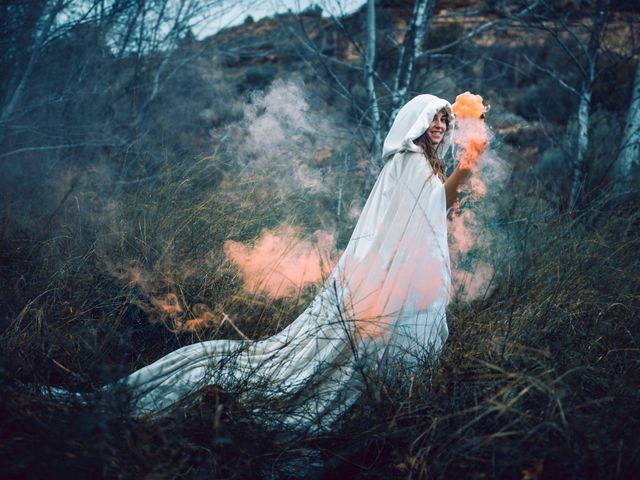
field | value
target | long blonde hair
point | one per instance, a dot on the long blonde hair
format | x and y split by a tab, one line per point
429	151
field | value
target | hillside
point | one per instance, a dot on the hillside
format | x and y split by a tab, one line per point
138	169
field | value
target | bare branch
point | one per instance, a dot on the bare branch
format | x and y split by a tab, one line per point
474	33
55	147
553	75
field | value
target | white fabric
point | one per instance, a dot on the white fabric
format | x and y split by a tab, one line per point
385	299
412	120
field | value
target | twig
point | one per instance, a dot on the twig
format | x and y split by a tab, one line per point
62	366
225	318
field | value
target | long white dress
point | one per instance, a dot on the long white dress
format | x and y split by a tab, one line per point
384	300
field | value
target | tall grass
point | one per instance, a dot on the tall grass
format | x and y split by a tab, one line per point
538	379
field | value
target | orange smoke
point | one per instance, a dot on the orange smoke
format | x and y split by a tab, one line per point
172	314
475	284
280	263
168	305
376	304
468	105
465	232
460	230
168	309
473	281
403	273
472	134
203	318
165	308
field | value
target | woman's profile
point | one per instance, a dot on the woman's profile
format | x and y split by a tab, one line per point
385	300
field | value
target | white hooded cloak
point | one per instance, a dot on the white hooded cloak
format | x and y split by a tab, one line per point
384	300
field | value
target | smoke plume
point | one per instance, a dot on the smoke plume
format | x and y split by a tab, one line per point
281	262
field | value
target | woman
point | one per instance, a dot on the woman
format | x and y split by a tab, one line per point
384	301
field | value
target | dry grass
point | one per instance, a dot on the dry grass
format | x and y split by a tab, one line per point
539	380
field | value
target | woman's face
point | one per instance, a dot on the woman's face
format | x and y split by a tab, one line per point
437	127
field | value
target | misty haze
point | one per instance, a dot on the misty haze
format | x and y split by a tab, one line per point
380	240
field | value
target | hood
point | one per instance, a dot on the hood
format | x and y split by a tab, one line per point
412	120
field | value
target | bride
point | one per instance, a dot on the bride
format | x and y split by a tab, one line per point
384	301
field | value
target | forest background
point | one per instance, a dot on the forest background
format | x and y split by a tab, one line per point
142	164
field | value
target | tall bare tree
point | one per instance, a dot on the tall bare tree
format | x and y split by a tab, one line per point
45	20
629	156
369	73
74	41
582	50
409	51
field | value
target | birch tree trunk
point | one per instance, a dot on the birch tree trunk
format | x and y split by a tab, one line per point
583	141
41	37
584	107
410	50
369	75
629	156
